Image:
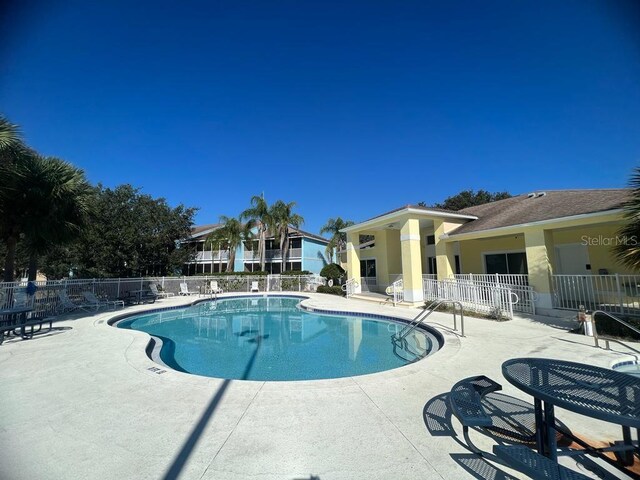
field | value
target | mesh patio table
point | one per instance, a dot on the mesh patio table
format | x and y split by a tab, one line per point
588	390
9	316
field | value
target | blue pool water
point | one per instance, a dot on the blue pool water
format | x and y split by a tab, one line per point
270	338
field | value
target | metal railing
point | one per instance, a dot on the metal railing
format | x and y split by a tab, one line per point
46	300
350	287
499	278
596	337
396	290
518	284
272	254
216	255
369	284
488	298
611	293
399	339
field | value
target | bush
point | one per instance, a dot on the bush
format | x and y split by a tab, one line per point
333	272
330	290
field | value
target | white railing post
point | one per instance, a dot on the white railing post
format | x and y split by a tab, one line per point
620	296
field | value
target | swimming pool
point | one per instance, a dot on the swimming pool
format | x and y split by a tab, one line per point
272	338
632	367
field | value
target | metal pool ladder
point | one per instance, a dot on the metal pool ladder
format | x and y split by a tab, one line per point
399	339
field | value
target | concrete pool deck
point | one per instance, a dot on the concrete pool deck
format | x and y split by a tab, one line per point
85	402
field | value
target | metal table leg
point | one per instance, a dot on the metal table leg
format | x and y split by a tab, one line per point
539	426
550	424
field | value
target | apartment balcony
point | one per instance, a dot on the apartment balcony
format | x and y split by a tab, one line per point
273	254
215	256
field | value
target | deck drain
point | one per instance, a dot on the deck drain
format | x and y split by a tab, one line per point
157	370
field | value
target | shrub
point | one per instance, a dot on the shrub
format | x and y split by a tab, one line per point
333	272
330	290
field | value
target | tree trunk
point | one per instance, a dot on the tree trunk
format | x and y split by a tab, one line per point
284	247
262	248
10	259
33	267
232	260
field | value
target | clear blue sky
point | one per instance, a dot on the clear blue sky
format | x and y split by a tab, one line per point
347	108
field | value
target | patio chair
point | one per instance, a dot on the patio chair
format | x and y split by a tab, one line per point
214	288
154	289
91	299
67	305
254	287
184	289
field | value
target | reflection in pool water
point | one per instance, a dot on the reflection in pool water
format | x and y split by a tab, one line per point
219	338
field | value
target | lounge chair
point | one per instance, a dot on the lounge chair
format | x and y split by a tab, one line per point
184	289
214	288
254	287
91	299
66	305
154	289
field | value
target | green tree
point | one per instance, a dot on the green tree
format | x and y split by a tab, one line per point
230	235
258	215
11	143
338	240
469	198
55	205
130	234
12	151
627	251
282	217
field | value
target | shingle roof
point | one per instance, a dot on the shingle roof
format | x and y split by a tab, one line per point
200	229
308	235
523	209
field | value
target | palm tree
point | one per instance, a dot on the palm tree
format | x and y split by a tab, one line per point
628	250
230	235
10	140
259	216
282	218
55	201
11	150
338	240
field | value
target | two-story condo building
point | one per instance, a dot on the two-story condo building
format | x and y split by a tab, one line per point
306	252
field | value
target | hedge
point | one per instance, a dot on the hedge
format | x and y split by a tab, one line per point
337	290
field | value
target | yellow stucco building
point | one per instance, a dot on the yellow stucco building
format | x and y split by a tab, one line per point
533	236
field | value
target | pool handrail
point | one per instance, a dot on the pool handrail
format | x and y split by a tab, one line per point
606	339
418	319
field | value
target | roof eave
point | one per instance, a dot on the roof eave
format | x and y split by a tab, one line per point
404	211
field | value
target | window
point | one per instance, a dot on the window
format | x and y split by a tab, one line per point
297	266
458	270
513	263
368	268
433	265
431	239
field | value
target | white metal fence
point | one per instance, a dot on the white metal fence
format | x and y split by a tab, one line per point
518	284
483	297
612	293
46	300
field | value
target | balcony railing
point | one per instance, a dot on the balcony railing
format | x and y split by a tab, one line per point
216	255
612	293
273	254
